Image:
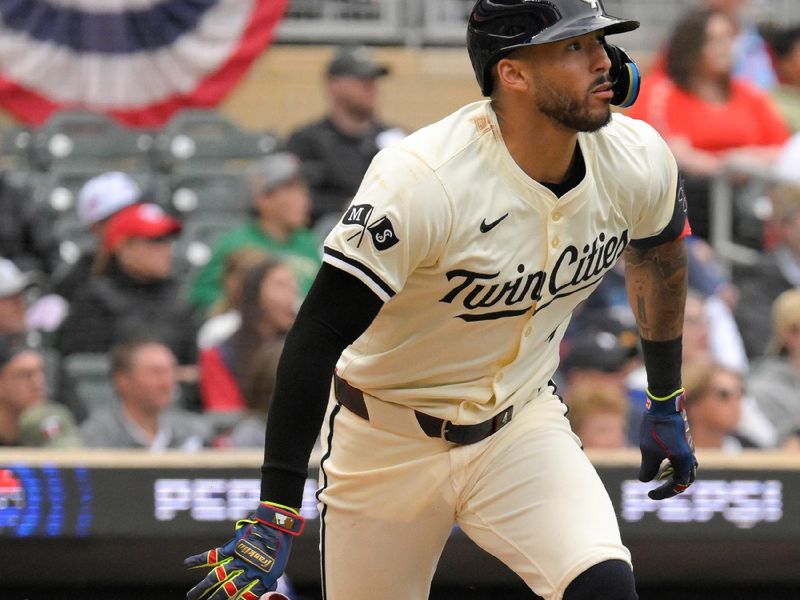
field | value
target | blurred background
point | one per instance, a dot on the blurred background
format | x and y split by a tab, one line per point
168	172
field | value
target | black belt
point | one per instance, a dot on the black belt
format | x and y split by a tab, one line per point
353	399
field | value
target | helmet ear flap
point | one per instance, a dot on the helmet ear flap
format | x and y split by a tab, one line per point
624	75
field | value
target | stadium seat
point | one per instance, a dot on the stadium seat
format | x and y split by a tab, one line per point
72	237
15	148
206	137
196	191
89	375
196	242
86	138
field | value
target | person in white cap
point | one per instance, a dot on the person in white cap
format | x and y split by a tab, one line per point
99	199
13	305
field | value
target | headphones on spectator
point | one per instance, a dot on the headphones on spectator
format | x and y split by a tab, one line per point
625	77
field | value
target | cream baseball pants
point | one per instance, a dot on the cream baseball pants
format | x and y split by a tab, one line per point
527	495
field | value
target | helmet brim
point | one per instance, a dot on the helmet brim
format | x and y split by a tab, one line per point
577	27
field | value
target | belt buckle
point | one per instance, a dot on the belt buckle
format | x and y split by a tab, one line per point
444	430
459	434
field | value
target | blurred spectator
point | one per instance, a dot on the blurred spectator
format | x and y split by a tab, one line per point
24	238
249	431
281	203
776	271
710	336
23	313
710	333
713	404
785	45
709	118
145	378
788	159
26	417
268	306
752	60
605	354
610	299
13	304
49	425
337	149
706	273
98	199
224	316
598	415
792	442
775	381
131	292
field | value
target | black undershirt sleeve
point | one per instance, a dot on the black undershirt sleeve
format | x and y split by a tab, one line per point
336	311
676	226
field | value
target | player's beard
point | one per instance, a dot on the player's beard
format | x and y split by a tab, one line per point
575	114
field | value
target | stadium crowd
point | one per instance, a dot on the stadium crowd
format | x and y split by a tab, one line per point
132	316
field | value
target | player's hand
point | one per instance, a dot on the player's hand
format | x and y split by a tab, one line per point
250	564
665	435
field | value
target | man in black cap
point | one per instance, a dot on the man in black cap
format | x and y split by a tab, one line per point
337	149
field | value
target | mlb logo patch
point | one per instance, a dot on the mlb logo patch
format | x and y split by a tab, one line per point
383	234
358	214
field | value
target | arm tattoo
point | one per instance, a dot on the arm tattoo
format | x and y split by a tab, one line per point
656	280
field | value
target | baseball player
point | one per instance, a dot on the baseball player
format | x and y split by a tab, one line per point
434	326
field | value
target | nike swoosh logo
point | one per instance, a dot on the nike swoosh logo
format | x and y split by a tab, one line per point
486	227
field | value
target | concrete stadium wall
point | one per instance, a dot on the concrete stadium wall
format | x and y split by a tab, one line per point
284	88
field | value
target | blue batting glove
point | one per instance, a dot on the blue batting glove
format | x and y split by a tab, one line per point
665	435
250	564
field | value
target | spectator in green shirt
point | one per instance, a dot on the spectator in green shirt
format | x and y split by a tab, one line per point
282	205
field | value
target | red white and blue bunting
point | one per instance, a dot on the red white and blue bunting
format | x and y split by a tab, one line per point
136	60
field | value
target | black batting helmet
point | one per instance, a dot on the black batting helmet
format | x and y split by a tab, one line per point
496	27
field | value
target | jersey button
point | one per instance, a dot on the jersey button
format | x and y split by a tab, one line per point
556	216
499	377
555	242
528	331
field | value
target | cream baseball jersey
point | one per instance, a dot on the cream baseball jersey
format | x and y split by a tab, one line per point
480	266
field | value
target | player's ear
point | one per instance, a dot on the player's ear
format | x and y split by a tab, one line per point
510	73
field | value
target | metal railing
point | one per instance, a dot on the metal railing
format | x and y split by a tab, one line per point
739	200
443	22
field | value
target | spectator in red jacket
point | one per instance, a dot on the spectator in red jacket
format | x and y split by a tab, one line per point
709	118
